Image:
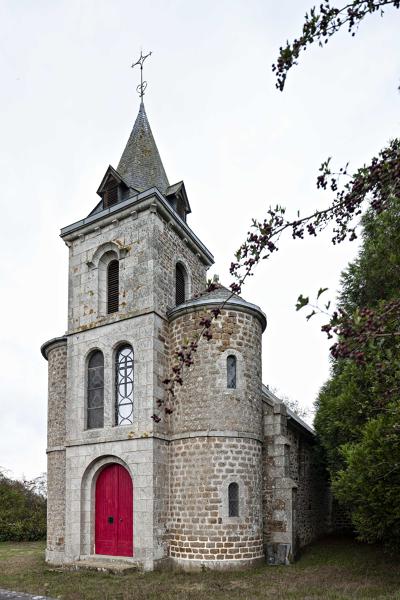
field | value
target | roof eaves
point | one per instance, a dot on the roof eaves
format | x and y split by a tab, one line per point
58	341
130	203
290	413
237	303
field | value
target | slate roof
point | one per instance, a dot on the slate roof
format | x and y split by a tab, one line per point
215	298
174	188
140	164
220	293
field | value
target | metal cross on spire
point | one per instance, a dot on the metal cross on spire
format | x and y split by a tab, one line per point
143	84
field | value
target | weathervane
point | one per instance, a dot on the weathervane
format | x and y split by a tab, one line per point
143	84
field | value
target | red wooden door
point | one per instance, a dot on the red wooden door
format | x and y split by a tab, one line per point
114	512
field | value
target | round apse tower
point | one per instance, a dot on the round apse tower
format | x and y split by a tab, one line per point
216	437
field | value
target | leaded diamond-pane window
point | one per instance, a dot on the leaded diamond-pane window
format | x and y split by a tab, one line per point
231	371
124	386
95	391
233	499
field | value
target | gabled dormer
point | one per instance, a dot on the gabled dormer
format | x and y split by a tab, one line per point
112	190
177	198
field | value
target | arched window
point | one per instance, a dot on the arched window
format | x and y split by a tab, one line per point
95	390
233	499
113	287
180	280
124	386
231	371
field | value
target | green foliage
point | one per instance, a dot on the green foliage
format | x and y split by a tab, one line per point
22	510
340	411
374	275
370	481
358	412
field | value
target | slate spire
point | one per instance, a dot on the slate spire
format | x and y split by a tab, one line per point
140	164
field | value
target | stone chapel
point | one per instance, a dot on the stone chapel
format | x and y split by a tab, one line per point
228	479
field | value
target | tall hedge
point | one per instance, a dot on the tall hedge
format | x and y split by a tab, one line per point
358	409
22	509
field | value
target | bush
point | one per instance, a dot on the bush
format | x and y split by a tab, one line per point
22	509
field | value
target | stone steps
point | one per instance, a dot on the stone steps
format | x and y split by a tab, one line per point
115	567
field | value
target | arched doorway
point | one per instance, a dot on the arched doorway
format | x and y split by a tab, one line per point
114	512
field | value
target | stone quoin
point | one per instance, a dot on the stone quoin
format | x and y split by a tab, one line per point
228	479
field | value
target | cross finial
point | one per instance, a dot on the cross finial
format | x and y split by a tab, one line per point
143	84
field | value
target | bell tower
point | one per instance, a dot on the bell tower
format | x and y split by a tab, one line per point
131	260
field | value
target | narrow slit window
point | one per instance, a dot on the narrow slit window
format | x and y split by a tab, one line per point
233	499
124	386
180	285
113	287
231	371
95	391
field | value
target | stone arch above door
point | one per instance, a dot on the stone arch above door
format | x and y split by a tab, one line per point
88	492
114	511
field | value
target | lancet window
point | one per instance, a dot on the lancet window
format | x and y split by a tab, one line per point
233	499
231	364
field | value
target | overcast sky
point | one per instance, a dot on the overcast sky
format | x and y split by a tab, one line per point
68	102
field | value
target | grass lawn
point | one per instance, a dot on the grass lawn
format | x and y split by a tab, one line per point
330	569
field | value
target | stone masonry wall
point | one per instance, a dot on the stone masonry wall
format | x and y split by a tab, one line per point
139	332
131	239
312	494
161	497
57	384
201	469
161	346
296	498
278	487
57	388
148	249
216	440
56	473
169	249
84	462
204	402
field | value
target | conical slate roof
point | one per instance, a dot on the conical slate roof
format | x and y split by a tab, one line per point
140	163
216	297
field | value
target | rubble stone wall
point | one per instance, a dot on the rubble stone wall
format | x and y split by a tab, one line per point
57	387
312	493
201	469
205	402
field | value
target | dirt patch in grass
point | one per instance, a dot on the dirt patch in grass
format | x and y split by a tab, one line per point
332	569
